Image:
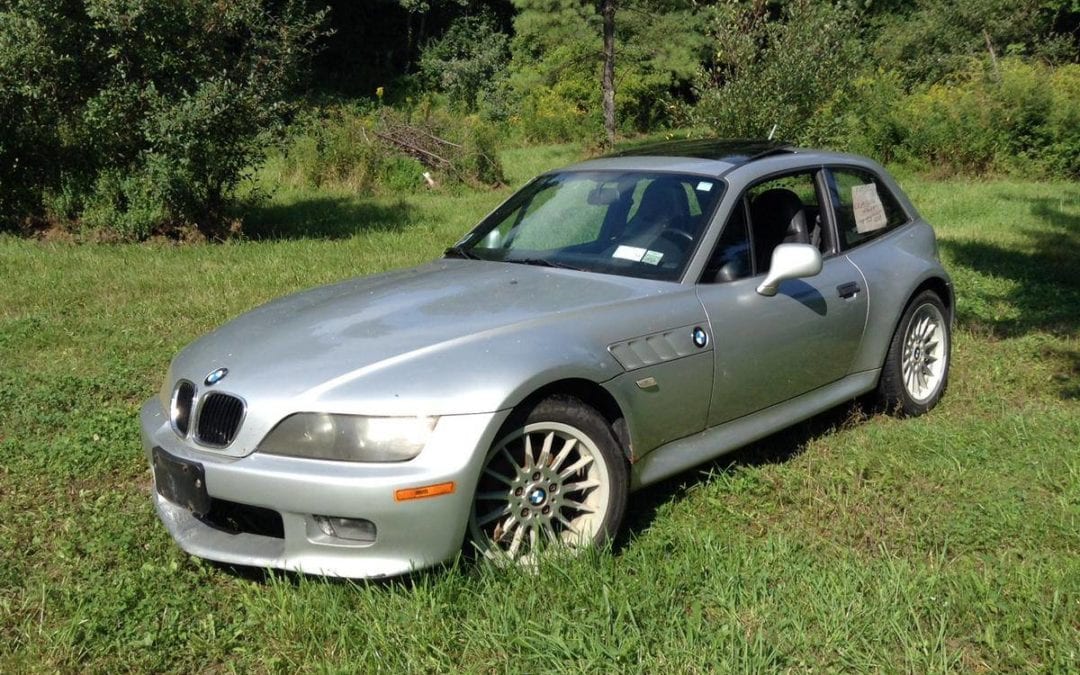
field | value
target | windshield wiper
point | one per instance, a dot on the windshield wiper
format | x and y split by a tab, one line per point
543	262
461	252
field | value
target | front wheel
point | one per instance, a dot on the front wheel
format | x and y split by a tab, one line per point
555	482
916	369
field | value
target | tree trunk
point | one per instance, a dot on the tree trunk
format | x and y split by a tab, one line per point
607	82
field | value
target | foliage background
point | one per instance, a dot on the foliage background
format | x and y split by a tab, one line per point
130	115
130	118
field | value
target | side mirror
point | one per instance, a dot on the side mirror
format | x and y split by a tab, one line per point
790	261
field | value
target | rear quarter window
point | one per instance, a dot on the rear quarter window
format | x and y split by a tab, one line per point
865	207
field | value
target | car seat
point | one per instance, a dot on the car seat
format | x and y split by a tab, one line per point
664	205
777	217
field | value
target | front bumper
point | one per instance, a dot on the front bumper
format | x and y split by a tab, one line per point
410	535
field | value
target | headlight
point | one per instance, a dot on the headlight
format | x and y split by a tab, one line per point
352	438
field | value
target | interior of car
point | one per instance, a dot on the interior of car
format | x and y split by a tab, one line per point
636	223
783	210
662	219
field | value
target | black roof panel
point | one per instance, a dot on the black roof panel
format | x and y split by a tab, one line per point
732	151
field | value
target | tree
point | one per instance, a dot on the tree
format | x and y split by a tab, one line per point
777	70
607	81
564	72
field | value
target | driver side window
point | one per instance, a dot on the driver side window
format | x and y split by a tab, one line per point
782	210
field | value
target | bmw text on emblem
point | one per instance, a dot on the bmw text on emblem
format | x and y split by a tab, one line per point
700	337
216	376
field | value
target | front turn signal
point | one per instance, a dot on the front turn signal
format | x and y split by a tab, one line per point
424	492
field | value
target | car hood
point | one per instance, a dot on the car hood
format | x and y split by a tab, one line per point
307	342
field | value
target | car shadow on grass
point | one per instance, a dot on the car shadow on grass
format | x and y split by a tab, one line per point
324	218
776	448
1068	376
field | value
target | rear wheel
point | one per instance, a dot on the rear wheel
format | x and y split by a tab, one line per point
916	369
556	482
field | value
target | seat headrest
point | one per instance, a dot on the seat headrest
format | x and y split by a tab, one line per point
779	206
664	198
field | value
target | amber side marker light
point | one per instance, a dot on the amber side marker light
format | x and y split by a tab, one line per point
424	492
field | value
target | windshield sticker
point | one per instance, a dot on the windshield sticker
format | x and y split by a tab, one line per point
869	212
704	186
652	257
629	253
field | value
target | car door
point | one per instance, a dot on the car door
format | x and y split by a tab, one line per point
769	349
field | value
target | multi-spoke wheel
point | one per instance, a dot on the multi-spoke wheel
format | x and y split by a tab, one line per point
558	481
917	367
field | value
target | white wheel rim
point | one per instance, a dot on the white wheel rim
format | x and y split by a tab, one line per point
544	487
925	354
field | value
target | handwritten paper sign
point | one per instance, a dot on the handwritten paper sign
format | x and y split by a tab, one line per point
869	212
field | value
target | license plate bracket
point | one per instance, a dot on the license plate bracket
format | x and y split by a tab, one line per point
181	481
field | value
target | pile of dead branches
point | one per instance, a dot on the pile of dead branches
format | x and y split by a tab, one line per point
417	142
467	161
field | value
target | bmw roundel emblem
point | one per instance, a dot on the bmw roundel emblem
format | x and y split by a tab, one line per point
216	376
700	337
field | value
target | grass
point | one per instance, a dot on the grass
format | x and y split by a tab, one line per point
944	543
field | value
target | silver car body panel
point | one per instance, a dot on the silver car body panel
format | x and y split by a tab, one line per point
691	451
445	338
468	340
770	349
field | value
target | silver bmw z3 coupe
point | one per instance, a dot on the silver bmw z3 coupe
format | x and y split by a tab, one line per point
611	324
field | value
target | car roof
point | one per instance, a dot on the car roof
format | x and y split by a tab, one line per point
713	156
732	151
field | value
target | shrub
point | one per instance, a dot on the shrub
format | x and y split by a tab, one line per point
478	162
1061	154
1020	117
467	62
779	72
558	113
29	98
334	148
142	115
862	118
557	59
929	41
124	206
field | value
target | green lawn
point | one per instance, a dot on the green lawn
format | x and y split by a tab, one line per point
948	542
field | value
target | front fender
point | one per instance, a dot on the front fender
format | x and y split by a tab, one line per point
496	370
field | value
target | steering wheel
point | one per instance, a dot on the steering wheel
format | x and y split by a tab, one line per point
681	238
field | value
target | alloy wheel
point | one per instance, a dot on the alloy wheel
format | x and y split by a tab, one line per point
542	488
925	349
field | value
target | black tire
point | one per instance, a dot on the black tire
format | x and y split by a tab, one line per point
900	390
517	487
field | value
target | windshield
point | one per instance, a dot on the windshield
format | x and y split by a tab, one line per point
633	223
